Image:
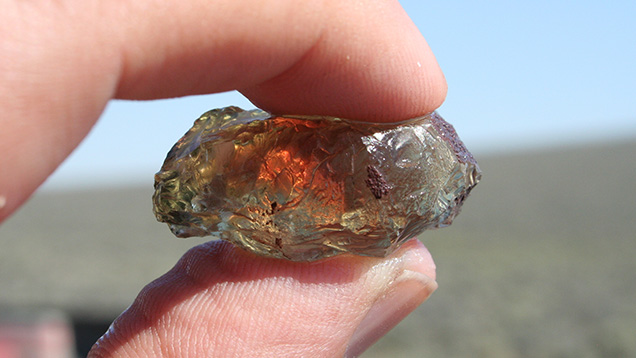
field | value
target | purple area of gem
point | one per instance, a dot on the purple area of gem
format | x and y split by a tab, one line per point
448	134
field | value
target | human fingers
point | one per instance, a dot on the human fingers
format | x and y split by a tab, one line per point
221	301
360	60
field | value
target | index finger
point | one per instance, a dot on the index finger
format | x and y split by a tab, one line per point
357	60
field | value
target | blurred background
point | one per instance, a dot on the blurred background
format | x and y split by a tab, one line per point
540	263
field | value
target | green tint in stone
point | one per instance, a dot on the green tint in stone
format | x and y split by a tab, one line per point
305	188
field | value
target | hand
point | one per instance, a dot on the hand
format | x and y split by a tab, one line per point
63	60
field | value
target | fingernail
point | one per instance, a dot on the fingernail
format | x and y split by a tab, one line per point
409	290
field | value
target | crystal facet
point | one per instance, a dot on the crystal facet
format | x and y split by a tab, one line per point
305	188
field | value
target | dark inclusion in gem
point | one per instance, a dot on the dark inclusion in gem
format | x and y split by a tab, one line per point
304	188
376	183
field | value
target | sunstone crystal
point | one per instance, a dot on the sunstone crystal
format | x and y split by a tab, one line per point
305	188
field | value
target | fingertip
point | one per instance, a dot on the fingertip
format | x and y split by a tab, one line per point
371	64
273	306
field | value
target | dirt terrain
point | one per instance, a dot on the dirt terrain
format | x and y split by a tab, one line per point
539	264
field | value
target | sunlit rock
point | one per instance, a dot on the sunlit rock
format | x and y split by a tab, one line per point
305	188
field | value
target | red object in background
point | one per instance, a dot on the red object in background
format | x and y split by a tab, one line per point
37	335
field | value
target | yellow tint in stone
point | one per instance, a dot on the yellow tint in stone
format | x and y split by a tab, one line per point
305	188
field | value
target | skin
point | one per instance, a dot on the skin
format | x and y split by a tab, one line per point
63	61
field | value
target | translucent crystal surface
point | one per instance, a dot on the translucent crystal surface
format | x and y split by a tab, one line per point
305	188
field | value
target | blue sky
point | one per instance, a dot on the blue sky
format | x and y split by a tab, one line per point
522	76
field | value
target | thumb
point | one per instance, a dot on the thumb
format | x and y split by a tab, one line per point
221	301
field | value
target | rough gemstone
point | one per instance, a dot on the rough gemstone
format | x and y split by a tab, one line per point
305	188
